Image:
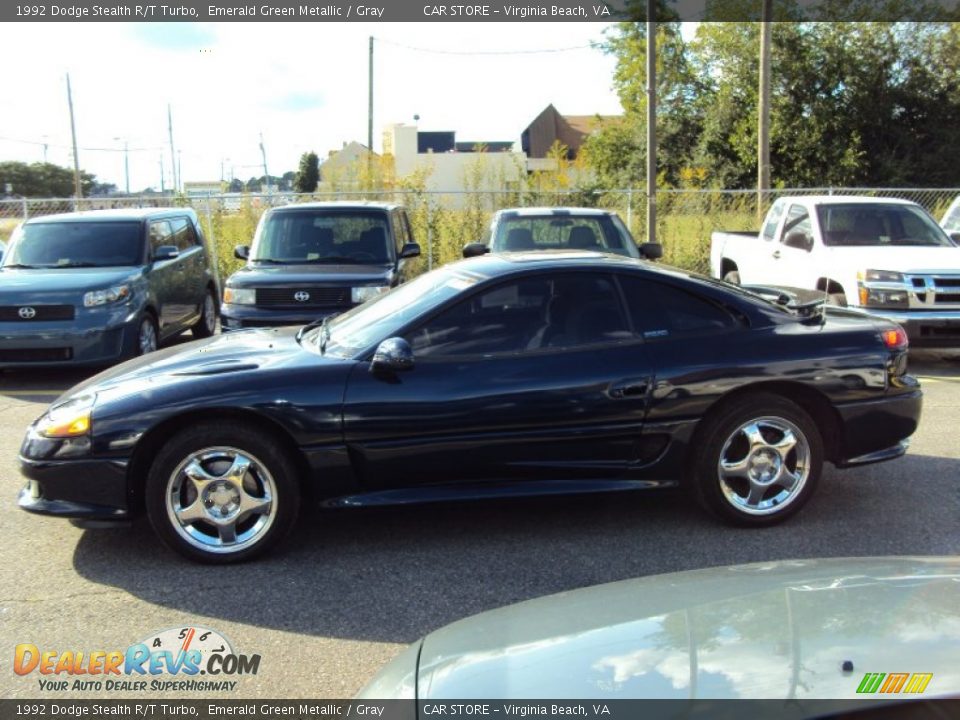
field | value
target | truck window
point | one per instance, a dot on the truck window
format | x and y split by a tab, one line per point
798	220
773	219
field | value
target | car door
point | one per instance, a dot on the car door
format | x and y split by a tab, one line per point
538	378
192	264
165	277
790	260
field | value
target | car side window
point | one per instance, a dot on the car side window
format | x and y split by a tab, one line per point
773	219
400	229
661	311
549	311
798	220
160	233
184	234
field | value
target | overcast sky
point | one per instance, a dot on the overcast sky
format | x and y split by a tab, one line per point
304	85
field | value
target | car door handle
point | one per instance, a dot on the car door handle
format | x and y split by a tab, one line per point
630	388
776	254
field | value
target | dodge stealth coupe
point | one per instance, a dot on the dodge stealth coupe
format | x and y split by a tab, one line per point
512	374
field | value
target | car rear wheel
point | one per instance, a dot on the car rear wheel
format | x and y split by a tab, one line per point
758	461
221	495
207	324
147	335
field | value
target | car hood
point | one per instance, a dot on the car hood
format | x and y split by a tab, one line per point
771	630
919	260
235	352
27	284
289	275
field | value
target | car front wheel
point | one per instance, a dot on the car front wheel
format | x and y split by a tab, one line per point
221	495
758	462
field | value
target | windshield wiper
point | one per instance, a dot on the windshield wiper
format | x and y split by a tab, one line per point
21	265
271	261
76	264
333	259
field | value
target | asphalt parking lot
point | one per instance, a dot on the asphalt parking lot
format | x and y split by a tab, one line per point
351	588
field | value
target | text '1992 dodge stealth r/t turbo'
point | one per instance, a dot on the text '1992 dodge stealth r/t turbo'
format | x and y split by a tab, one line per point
513	374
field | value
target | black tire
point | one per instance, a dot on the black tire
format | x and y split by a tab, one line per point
207	324
838	298
268	485
764	472
147	324
732	277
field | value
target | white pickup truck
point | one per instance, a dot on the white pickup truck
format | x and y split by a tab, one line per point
887	257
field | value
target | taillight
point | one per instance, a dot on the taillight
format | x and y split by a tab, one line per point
894	338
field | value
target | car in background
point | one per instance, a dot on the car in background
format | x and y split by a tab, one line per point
567	228
504	375
312	260
855	629
951	220
91	288
885	256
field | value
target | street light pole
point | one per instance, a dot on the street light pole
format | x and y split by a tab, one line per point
73	134
126	163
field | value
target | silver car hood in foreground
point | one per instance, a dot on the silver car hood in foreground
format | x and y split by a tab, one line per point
769	630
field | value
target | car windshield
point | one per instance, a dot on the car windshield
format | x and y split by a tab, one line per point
951	221
563	232
880	224
383	317
323	236
76	244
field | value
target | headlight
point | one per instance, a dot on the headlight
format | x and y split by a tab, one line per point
882	288
105	297
880	276
240	296
68	419
368	292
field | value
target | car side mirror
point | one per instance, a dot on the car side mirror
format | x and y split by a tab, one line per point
242	252
475	250
409	250
799	240
392	355
651	251
165	252
955	236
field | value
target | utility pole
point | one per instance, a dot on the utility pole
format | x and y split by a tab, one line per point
173	155
651	121
126	163
763	120
263	154
45	146
163	188
370	111
73	133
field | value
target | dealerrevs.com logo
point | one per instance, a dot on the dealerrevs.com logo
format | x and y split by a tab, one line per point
171	660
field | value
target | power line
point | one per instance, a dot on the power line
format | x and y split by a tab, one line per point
437	51
68	147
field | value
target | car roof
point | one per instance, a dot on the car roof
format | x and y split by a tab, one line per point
553	211
113	214
506	263
847	200
339	205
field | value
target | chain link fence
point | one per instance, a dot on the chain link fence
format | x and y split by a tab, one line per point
443	222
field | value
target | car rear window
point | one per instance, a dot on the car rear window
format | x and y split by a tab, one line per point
76	244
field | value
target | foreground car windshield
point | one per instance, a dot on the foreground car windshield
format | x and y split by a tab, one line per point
552	232
323	236
76	244
384	317
863	224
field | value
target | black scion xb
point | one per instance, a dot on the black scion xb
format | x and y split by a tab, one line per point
513	374
312	260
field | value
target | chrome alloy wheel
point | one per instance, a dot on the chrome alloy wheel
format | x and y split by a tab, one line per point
147	339
209	314
764	465
221	499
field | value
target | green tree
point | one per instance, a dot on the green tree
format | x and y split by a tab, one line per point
43	180
308	174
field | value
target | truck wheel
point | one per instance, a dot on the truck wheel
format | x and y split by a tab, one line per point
757	461
732	277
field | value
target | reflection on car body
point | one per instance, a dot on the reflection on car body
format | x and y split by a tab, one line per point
513	374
